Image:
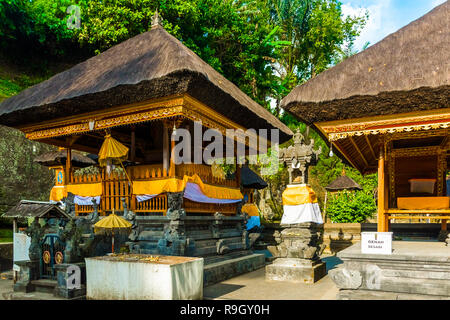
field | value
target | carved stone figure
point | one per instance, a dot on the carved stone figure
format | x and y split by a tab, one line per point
130	216
69	204
86	224
35	232
299	156
175	200
71	235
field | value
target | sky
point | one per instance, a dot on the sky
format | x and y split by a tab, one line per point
386	16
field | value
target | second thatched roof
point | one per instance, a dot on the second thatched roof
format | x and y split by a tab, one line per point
406	71
55	158
343	183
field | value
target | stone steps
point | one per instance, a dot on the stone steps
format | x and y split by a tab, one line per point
44	285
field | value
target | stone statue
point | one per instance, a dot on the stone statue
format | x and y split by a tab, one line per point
35	231
69	204
130	216
299	156
86	224
71	235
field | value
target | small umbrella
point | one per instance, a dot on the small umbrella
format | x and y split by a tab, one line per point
112	224
113	152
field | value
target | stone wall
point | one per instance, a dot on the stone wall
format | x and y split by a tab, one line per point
6	256
338	236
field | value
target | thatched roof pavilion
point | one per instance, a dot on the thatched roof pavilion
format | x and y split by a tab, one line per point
400	84
151	65
36	209
406	71
343	183
387	110
57	158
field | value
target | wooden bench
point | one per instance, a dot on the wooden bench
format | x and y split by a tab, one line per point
437	214
442	213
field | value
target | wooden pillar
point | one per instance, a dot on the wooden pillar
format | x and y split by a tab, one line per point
165	148
68	165
238	169
172	156
381	193
133	144
444	224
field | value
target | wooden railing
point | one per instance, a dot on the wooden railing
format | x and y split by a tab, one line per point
116	186
156	204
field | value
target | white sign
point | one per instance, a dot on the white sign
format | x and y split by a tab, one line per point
376	242
20	248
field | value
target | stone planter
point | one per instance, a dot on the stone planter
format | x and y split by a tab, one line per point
130	277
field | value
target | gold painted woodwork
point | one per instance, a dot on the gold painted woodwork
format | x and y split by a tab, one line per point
407	122
176	106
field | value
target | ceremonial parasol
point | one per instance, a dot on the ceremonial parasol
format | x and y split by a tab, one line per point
113	152
112	224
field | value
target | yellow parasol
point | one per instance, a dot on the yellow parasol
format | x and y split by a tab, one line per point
112	224
113	152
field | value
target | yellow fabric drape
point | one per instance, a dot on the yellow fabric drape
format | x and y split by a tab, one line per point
85	190
110	223
82	190
251	209
178	185
301	194
112	150
57	193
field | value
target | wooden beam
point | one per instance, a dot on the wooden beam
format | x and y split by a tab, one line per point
346	156
359	151
133	143
370	147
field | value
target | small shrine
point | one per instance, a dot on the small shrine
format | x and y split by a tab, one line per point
299	245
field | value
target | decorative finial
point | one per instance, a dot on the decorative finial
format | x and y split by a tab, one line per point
156	19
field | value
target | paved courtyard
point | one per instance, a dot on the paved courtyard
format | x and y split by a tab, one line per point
250	286
254	286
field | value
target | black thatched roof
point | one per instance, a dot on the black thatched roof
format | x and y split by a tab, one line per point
153	64
250	179
55	158
36	209
406	71
343	183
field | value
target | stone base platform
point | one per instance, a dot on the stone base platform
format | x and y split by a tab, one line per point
296	270
414	270
220	268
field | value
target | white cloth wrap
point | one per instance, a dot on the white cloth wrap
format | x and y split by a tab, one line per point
193	193
308	212
145	197
85	201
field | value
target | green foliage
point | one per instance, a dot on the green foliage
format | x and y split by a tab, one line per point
315	32
231	36
265	47
350	207
20	177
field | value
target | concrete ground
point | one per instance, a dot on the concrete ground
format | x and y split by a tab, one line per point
249	286
254	286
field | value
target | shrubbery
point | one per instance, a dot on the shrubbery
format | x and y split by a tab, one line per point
348	207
